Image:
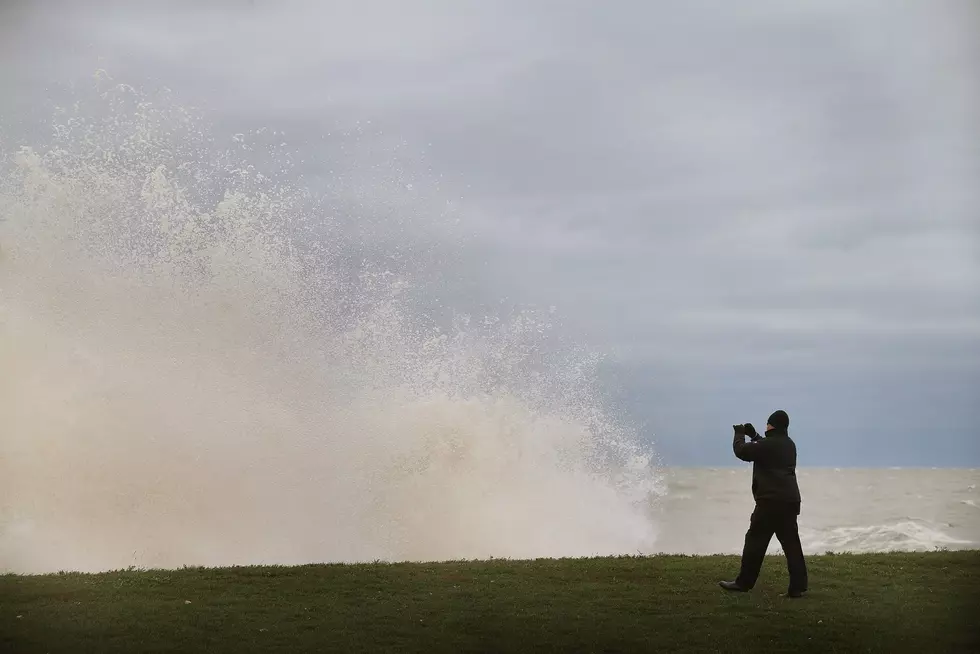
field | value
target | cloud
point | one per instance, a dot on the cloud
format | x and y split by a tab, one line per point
694	185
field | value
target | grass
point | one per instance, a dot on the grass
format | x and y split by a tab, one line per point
922	602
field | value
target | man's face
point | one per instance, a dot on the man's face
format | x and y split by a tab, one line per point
768	427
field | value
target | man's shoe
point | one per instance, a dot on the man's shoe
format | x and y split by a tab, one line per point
732	586
795	594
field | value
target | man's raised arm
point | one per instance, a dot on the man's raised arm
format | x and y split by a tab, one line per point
746	451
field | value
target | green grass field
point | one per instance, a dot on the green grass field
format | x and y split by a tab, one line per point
924	602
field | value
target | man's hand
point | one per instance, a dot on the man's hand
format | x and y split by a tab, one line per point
747	451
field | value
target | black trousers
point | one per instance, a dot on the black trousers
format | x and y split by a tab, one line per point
768	519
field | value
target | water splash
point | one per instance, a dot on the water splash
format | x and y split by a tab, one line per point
197	370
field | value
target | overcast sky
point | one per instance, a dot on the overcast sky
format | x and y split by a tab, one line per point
751	205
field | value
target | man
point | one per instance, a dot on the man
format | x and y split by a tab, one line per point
777	503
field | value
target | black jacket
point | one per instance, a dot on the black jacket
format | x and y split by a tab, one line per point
773	466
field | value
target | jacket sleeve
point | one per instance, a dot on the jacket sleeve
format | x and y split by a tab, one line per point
753	451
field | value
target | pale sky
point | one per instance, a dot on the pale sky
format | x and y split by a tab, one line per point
750	206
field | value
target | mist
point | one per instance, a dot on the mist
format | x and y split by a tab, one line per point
194	374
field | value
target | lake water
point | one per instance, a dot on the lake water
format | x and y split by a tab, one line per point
706	510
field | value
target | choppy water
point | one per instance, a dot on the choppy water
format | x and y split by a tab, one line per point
706	510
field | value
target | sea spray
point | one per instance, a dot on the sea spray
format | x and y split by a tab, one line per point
202	365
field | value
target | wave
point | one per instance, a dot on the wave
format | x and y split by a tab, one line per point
903	535
205	364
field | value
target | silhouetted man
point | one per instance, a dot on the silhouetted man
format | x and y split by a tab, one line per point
777	503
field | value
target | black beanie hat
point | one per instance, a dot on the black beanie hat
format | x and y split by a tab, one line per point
779	420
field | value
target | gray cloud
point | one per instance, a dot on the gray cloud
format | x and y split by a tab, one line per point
696	188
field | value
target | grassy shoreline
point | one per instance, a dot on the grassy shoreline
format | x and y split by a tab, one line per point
895	602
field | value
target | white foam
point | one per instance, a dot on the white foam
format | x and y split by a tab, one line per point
904	535
193	373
